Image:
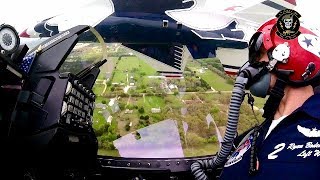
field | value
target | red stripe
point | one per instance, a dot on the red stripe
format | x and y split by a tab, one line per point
292	2
231	73
24	34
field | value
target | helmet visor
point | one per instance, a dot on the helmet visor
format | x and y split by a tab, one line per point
255	48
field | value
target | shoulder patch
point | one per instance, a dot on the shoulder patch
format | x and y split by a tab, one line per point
239	152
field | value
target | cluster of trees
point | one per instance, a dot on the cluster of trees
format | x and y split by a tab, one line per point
120	53
193	83
214	65
198	133
211	62
106	134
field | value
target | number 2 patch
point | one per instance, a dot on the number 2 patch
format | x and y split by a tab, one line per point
278	148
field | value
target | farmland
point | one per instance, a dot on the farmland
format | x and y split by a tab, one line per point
129	103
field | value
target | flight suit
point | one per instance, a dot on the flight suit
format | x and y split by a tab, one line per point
290	151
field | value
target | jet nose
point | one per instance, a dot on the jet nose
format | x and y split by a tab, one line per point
24	34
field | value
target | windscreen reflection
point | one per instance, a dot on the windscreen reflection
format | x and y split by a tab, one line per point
88	50
160	140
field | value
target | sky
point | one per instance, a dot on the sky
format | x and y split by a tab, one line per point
24	13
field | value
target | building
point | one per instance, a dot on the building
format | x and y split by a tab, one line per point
100	106
155	110
114	105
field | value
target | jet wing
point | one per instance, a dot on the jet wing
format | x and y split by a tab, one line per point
208	15
264	10
229	23
91	14
168	59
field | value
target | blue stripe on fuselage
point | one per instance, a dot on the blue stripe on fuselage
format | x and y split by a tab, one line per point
148	6
147	28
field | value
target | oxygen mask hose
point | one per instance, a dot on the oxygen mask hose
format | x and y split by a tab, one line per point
198	168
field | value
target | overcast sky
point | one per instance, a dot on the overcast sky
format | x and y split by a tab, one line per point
24	13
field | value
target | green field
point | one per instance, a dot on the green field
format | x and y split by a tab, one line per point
98	119
134	66
214	80
197	142
207	149
98	89
151	102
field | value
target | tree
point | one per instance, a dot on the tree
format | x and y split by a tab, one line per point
142	74
141	110
127	127
104	102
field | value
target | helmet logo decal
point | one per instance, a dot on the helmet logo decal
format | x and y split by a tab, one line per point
288	24
310	43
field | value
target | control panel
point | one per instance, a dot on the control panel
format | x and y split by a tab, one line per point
78	105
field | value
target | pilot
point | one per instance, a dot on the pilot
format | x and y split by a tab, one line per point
287	144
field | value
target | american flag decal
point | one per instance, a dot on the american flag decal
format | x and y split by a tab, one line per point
27	62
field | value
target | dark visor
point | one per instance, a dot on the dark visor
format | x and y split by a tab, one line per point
255	44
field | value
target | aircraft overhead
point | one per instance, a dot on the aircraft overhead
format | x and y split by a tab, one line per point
169	32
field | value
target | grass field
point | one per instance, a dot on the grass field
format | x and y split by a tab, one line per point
134	66
259	102
98	119
208	149
106	152
98	89
108	66
214	80
216	104
151	102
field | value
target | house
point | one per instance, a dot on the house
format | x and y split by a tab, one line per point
100	105
114	105
109	120
173	86
106	114
155	110
128	111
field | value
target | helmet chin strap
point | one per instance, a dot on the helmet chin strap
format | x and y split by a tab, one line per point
273	102
279	54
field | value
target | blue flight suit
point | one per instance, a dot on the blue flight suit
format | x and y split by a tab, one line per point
290	151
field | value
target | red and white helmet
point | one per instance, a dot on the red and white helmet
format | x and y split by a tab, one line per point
299	57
